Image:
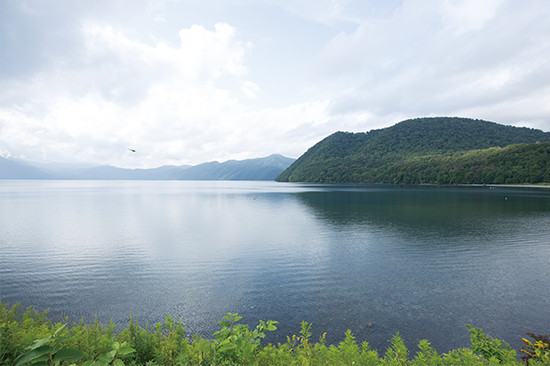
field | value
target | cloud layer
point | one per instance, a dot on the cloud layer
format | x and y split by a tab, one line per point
80	86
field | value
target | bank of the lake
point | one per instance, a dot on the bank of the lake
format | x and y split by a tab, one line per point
29	337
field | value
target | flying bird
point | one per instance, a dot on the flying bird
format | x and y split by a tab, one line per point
132	150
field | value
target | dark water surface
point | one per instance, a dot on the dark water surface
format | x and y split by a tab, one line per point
423	261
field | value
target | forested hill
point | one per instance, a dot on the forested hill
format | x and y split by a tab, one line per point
392	154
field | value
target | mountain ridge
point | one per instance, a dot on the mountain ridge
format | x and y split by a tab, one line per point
15	169
346	157
266	168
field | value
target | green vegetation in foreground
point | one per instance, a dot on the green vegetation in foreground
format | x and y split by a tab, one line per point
29	338
441	150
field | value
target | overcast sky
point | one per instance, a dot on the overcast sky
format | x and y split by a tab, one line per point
191	81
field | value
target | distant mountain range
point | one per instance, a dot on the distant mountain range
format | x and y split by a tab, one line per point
252	169
267	168
439	150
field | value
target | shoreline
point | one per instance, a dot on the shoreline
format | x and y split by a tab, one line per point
507	185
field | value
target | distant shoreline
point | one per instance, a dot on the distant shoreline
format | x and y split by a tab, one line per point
545	185
507	185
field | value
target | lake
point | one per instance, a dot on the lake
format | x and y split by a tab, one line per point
376	259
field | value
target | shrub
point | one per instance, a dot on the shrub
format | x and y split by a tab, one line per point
50	350
19	329
235	342
537	351
489	348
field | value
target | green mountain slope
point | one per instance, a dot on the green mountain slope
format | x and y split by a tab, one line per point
388	155
514	164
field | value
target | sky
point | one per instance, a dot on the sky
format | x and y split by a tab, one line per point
192	81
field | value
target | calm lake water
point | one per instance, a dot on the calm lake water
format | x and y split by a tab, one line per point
423	261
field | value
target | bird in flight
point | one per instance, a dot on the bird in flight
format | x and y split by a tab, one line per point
132	150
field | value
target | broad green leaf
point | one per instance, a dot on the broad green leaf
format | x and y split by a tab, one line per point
118	362
45	349
227	347
39	343
107	357
68	354
225	341
126	350
59	340
104	358
41	363
32	355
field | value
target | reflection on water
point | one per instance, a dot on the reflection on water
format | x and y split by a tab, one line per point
433	257
375	259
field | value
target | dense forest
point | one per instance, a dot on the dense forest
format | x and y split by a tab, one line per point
441	150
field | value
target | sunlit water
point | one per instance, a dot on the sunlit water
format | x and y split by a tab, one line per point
423	261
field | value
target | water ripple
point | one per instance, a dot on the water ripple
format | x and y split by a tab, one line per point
356	258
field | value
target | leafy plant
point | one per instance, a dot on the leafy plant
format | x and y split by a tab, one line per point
142	340
490	348
19	329
94	338
49	351
349	349
235	342
170	341
537	350
427	355
397	353
304	337
113	357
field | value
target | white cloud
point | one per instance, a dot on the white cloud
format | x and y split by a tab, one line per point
468	15
184	85
446	58
323	11
211	54
163	100
175	104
